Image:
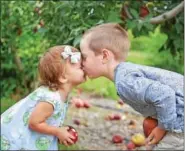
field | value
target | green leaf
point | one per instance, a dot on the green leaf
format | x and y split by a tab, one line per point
178	28
130	24
134	13
114	17
139	26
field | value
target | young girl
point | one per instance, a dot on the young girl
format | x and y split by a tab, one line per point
33	123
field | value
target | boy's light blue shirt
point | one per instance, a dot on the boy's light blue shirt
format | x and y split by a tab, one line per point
152	92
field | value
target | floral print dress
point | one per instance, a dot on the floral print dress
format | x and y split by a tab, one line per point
15	132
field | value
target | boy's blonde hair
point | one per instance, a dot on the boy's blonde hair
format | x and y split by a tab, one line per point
110	36
52	66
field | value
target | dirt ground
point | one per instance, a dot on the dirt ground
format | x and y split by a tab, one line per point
95	131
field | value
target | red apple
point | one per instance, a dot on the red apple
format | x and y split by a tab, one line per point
72	131
78	104
86	104
120	102
148	125
77	122
131	145
143	11
113	117
117	139
117	117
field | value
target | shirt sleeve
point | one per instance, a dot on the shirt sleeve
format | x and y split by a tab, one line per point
52	102
49	98
139	89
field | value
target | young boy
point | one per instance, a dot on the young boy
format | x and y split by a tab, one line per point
151	91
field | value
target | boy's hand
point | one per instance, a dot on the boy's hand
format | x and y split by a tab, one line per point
64	136
156	135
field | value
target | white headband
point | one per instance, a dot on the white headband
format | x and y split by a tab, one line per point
75	56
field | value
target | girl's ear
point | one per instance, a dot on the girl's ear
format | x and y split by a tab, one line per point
106	55
63	80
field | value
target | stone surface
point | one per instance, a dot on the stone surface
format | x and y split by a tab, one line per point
95	132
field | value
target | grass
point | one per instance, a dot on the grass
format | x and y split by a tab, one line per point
72	147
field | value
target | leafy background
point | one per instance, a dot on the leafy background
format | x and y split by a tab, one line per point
30	27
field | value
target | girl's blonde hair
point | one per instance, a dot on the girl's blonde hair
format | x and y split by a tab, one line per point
52	66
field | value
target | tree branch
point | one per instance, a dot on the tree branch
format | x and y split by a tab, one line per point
168	15
127	12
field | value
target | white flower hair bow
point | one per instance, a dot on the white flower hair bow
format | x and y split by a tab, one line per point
75	56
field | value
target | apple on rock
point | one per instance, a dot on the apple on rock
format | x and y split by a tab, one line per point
76	121
117	139
86	104
131	146
113	117
138	139
117	117
120	102
79	103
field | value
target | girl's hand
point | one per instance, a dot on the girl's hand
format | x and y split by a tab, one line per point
64	136
156	135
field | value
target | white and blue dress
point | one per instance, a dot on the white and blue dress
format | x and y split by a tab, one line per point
15	132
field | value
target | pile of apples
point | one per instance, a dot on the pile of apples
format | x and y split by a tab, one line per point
138	139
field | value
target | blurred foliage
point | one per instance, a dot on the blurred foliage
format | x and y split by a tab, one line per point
143	10
72	147
30	27
149	43
100	86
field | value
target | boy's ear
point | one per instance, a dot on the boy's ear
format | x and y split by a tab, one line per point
63	80
106	55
